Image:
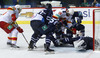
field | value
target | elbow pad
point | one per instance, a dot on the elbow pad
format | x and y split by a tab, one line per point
13	17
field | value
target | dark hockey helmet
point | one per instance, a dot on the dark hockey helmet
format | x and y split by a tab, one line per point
48	6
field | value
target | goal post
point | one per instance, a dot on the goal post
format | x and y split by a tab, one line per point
96	29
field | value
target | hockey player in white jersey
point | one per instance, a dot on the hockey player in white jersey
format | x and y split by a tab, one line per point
76	18
7	23
75	26
63	22
68	19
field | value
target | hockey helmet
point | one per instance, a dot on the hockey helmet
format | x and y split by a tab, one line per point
70	11
48	6
63	10
18	7
11	8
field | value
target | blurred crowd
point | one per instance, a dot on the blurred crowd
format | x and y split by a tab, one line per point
95	3
65	3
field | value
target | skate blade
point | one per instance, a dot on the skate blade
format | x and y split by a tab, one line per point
49	52
13	48
30	49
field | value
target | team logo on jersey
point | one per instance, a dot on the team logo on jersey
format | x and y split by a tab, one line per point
44	27
27	14
10	27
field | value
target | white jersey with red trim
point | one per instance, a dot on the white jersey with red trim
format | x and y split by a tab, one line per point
7	16
60	15
57	13
17	13
69	21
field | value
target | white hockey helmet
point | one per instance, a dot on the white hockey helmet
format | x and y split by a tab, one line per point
70	11
63	9
11	8
18	7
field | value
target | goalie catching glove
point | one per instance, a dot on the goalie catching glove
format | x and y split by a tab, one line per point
20	30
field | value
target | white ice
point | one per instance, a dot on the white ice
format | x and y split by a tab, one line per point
61	52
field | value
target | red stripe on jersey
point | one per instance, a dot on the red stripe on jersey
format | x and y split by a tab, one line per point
9	38
14	38
9	8
55	17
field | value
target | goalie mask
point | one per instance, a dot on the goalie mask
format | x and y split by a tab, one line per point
18	8
80	45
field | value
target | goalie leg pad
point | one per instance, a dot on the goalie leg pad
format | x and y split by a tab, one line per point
6	27
80	45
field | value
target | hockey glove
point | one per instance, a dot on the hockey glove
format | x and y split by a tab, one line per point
20	30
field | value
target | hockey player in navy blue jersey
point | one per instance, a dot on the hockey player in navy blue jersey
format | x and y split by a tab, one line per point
40	25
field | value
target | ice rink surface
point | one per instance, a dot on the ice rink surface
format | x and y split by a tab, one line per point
60	52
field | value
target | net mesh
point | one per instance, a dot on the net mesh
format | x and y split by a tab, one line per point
97	29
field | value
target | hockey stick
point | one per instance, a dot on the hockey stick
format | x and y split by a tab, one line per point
68	28
23	35
25	38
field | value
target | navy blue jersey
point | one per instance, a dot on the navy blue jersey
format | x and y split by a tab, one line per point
79	16
47	15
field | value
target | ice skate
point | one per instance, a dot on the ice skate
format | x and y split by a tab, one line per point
14	46
31	46
48	50
9	43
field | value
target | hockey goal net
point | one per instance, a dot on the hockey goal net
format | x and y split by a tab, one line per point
96	29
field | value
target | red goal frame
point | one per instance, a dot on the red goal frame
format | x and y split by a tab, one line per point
94	29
